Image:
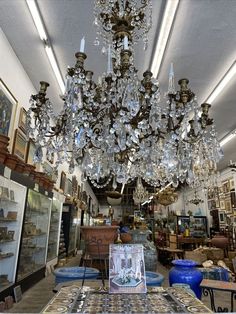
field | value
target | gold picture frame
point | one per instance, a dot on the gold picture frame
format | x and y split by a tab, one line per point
20	145
30	152
22	120
8	105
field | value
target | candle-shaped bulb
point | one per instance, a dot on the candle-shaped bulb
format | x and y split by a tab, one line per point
171	87
126	47
82	44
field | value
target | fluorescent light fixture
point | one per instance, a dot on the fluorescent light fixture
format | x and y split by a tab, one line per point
222	83
165	187
43	36
55	67
37	19
167	21
228	138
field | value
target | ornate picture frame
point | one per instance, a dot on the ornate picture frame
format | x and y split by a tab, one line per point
20	145
30	152
22	120
8	105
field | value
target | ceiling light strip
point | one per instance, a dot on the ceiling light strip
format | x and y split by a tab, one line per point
33	8
37	19
222	83
166	25
228	138
54	65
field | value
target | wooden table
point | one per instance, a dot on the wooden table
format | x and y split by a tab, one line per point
193	242
208	286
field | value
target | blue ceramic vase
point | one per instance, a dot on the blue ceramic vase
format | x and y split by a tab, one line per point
184	271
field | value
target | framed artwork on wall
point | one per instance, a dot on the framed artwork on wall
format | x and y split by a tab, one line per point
63	181
222	204
48	169
22	120
68	187
228	206
8	104
20	145
74	186
30	152
221	217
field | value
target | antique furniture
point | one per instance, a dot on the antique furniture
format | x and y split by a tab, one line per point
209	286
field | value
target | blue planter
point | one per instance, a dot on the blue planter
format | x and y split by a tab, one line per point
153	279
184	271
64	274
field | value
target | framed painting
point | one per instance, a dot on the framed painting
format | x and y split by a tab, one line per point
68	187
126	269
222	217
74	186
228	206
231	184
63	181
8	104
20	145
30	152
222	204
22	120
48	169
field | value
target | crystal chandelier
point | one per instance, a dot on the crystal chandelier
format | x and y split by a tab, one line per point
196	200
167	196
120	127
140	194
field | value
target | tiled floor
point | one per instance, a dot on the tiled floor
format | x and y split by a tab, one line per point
35	299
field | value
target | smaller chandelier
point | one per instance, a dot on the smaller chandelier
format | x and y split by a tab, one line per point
196	200
167	197
140	194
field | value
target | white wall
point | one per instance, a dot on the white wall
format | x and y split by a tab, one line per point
16	79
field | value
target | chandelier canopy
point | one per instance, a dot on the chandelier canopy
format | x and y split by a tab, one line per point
120	127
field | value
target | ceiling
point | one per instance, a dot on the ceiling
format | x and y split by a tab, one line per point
201	46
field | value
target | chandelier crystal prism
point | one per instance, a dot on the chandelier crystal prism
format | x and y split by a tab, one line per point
120	128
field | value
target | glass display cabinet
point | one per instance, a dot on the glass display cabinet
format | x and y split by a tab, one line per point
35	234
12	203
69	225
54	230
197	225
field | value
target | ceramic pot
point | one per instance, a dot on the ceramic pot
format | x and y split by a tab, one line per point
11	161
185	271
125	237
220	241
4	140
3	156
20	167
98	238
149	249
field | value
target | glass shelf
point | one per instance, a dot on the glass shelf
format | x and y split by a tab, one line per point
12	203
54	230
35	234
